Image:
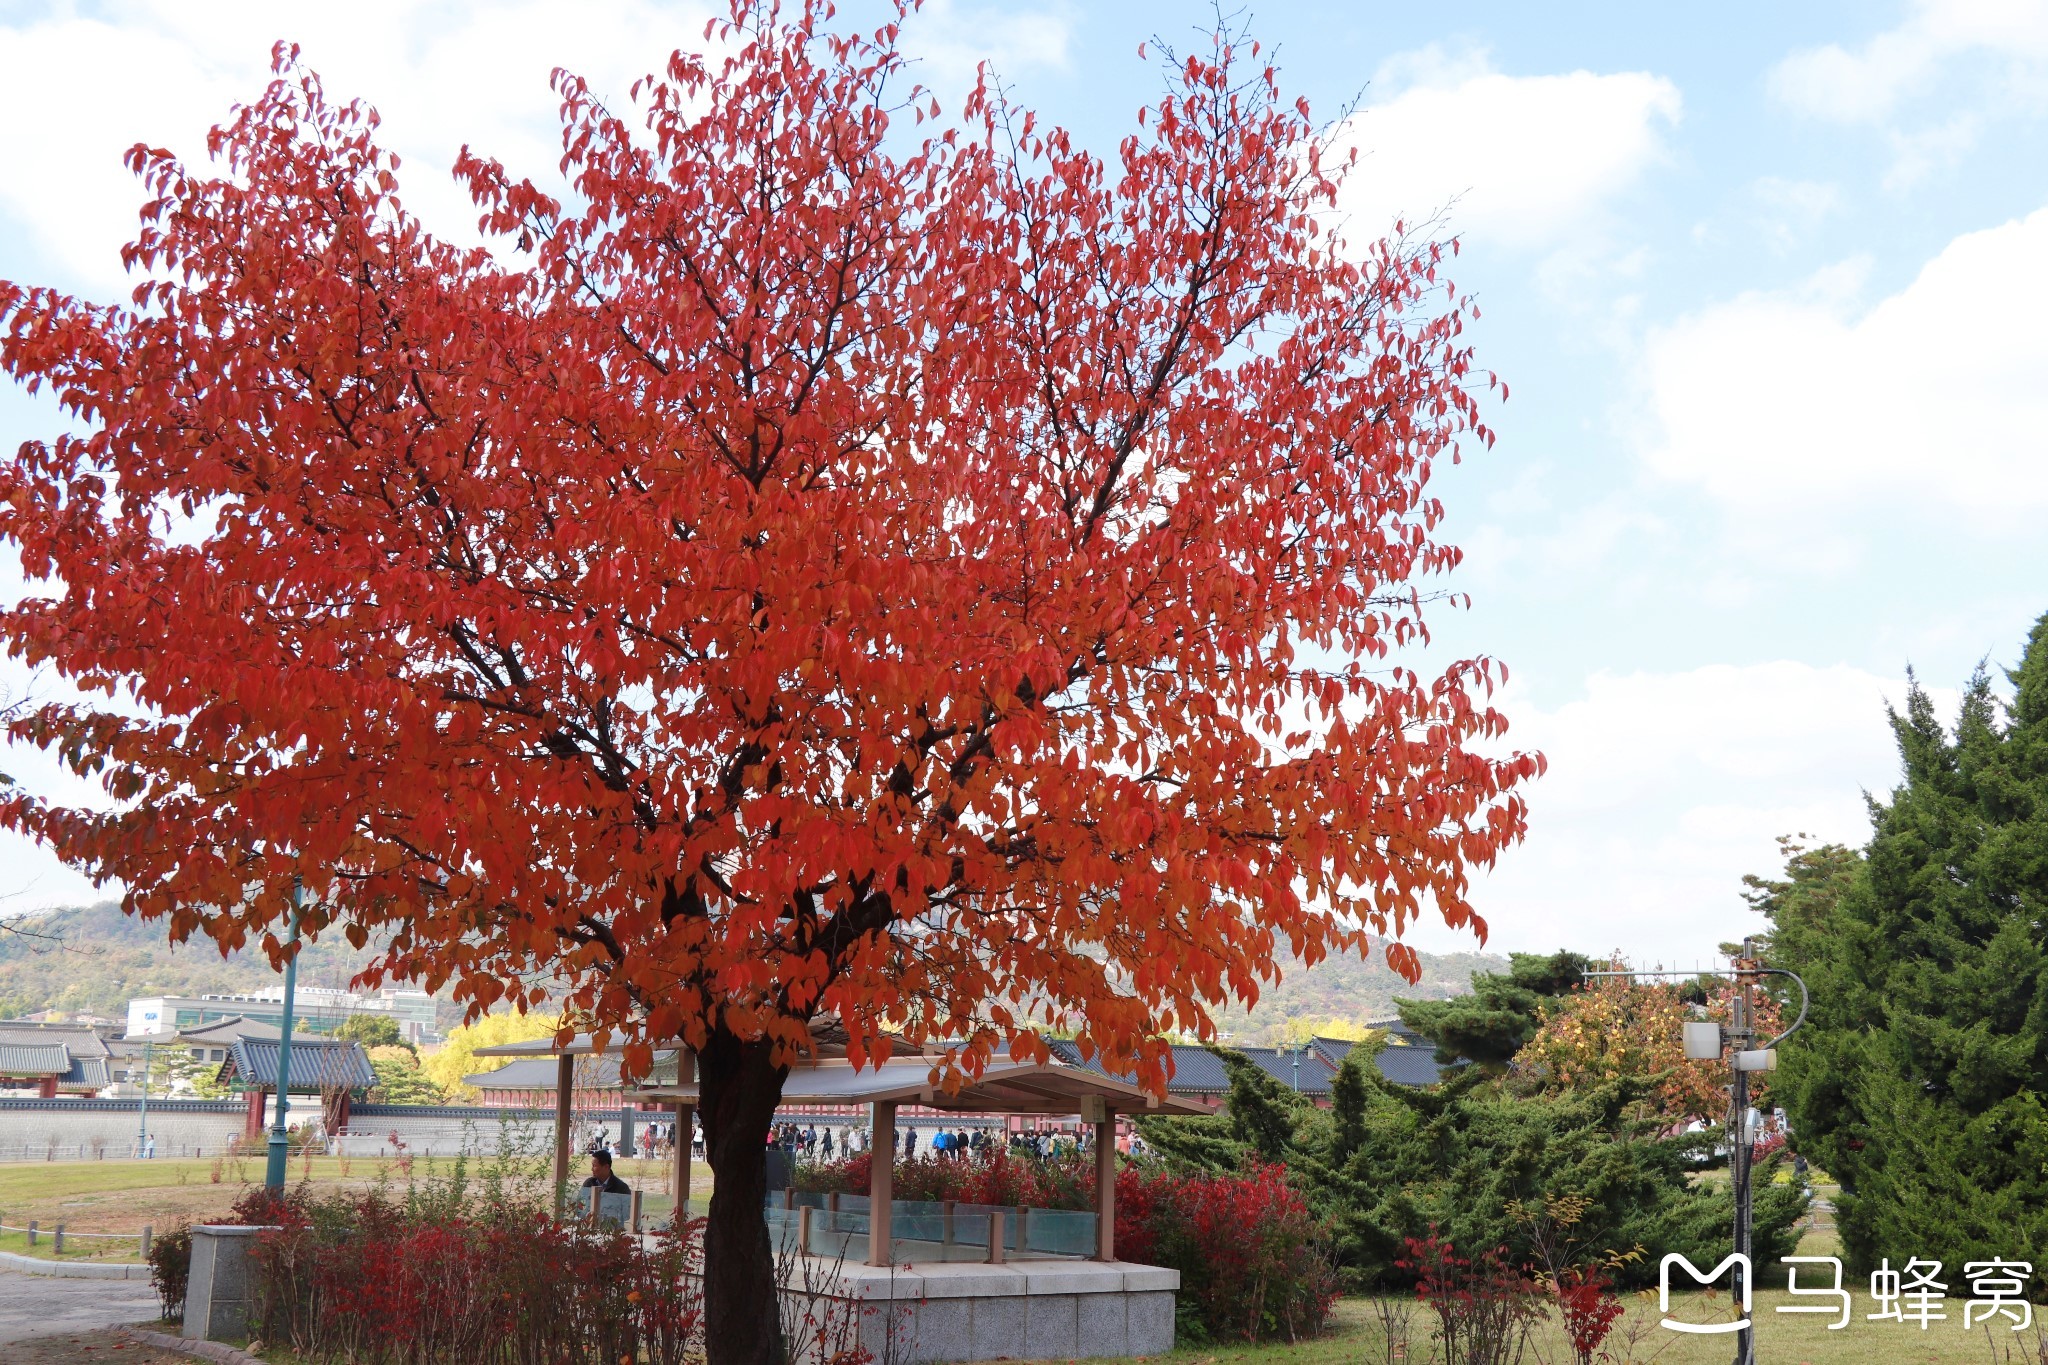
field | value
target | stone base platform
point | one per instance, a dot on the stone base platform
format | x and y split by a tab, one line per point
1023	1310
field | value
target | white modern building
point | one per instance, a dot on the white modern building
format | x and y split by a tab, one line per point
322	1009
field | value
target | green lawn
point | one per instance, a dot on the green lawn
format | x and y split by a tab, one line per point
75	1248
122	1196
1358	1337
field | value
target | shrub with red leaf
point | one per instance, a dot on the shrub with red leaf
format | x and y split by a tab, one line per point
1254	1261
358	1278
1485	1306
1588	1304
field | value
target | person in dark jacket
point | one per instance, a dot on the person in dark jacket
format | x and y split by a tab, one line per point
601	1177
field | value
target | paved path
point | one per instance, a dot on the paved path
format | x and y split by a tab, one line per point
42	1305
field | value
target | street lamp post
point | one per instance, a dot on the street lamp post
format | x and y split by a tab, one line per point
280	1142
142	1119
1740	1152
1710	1042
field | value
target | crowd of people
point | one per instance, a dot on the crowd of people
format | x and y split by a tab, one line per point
812	1142
658	1139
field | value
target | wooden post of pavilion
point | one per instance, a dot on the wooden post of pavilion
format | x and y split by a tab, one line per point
1105	1183
565	1079
881	1181
686	1115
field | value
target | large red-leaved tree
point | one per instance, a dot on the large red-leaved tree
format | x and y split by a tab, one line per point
831	559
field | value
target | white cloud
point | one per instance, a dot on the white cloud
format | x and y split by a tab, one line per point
950	40
1527	159
1868	84
1974	60
1664	789
1792	209
1784	405
80	91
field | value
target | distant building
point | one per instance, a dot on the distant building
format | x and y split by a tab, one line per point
52	1059
210	1042
529	1083
1407	1059
327	1067
322	1008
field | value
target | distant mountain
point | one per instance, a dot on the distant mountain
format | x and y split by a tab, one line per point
1349	989
93	959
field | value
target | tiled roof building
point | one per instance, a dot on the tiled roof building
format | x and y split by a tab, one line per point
1407	1059
56	1059
318	1064
529	1083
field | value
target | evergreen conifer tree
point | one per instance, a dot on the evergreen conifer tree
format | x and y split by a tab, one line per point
1502	1013
1347	1105
1920	1079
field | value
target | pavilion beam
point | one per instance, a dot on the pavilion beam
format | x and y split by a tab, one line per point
881	1182
686	1116
565	1077
1105	1186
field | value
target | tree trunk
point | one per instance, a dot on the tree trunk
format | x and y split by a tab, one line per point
739	1089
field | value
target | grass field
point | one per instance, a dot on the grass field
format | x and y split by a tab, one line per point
1359	1337
122	1196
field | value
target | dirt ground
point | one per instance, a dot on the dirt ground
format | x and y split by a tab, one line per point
87	1348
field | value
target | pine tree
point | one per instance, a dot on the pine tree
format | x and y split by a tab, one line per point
1502	1013
1347	1105
1919	1081
1261	1118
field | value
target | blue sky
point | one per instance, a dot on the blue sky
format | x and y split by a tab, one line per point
1766	283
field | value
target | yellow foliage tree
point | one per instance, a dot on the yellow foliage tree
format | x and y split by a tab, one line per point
448	1064
1301	1031
1621	1026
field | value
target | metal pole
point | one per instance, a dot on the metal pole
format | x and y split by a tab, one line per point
280	1153
142	1122
1740	1036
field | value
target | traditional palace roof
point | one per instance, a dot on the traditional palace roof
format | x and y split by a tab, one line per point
74	1054
317	1064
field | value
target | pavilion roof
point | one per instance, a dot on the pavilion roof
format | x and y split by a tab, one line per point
828	1037
593	1072
1005	1087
